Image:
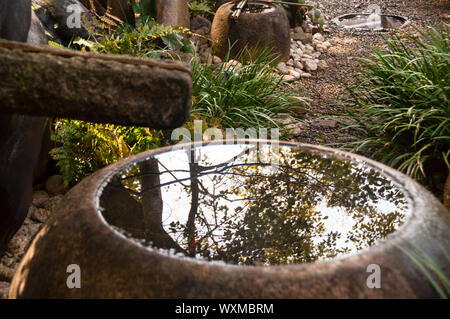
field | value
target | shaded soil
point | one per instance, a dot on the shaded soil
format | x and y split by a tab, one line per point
325	87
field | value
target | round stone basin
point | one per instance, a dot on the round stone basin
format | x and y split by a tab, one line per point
254	204
245	219
371	22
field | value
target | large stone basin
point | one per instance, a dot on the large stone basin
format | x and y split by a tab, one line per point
250	219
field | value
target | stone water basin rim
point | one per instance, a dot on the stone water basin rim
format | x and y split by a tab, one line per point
113	266
371	21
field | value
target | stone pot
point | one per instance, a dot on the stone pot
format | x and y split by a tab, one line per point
115	266
266	27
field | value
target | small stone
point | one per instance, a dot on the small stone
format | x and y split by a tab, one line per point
302	36
292	125
318	37
327	44
18	244
40	215
200	22
6	273
306	27
316	55
298	29
321	48
233	64
296	57
310	65
295	74
290	62
325	123
52	203
288	78
298	65
216	60
322	65
55	185
290	67
294	129
300	111
4	288
282	68
305	75
309	48
40	198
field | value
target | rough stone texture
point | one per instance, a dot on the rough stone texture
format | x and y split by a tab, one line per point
52	202
36	35
40	215
251	30
4	287
40	197
46	81
6	274
116	267
55	185
200	22
174	12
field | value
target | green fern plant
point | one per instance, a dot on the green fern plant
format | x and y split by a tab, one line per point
149	39
85	147
200	8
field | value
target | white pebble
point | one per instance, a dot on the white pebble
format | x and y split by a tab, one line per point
318	37
310	65
298	65
295	74
305	75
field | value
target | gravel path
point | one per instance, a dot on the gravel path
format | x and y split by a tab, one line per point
324	87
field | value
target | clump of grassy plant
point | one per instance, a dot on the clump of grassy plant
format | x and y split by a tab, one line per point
402	114
435	275
245	95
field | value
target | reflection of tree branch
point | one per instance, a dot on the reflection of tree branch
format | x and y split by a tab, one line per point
234	158
190	225
170	172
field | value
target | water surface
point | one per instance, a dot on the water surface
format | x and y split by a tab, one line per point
254	204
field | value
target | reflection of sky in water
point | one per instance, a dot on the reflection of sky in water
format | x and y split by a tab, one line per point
372	217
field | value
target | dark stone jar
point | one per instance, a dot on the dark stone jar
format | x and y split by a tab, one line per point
260	25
